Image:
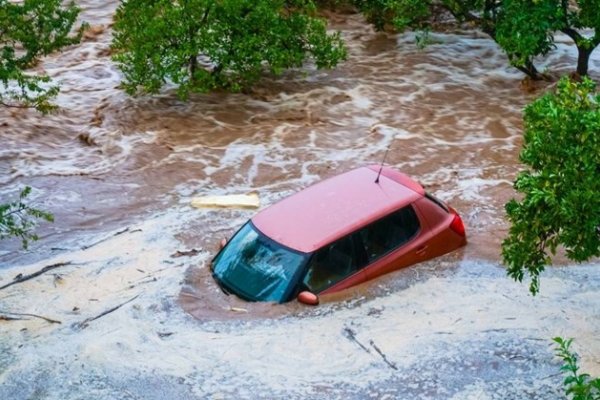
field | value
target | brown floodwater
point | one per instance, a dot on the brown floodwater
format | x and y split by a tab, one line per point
450	115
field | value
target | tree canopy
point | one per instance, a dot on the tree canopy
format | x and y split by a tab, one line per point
29	30
203	45
524	29
560	204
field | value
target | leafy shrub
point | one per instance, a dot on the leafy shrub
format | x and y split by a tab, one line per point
578	386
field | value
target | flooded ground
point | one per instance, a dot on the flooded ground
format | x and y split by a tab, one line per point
119	174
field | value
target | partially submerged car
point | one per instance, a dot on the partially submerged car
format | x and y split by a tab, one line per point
336	234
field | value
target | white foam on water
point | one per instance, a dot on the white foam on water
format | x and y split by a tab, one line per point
406	325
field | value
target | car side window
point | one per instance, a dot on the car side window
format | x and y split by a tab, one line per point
333	263
389	233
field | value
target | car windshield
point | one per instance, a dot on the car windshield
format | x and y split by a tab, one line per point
256	267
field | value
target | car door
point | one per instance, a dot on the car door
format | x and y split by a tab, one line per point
394	242
336	266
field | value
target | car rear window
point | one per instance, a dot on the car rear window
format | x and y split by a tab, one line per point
438	202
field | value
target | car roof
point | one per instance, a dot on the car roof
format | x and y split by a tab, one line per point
331	209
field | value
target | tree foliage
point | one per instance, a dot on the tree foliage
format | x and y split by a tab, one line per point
18	219
560	204
578	386
524	29
28	30
421	15
402	14
203	45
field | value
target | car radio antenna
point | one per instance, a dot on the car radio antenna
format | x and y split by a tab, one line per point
381	167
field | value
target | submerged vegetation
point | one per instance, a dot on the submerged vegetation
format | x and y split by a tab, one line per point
560	206
524	29
205	45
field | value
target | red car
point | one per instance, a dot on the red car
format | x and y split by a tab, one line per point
335	234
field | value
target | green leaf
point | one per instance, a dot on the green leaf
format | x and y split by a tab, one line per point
577	386
17	219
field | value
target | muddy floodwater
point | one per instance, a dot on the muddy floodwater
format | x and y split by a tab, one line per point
130	310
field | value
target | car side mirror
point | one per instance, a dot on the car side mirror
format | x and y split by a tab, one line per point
309	298
222	243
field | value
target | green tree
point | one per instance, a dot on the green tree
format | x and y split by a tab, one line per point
422	15
17	219
204	45
526	28
29	30
560	204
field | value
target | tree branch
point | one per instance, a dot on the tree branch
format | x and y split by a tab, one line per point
83	324
8	318
22	278
573	34
16	105
22	207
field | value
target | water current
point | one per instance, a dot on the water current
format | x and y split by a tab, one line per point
119	174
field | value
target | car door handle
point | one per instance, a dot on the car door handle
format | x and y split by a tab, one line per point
421	250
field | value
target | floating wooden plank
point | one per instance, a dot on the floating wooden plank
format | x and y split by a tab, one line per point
250	200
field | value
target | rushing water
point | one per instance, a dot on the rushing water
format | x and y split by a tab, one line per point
119	174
